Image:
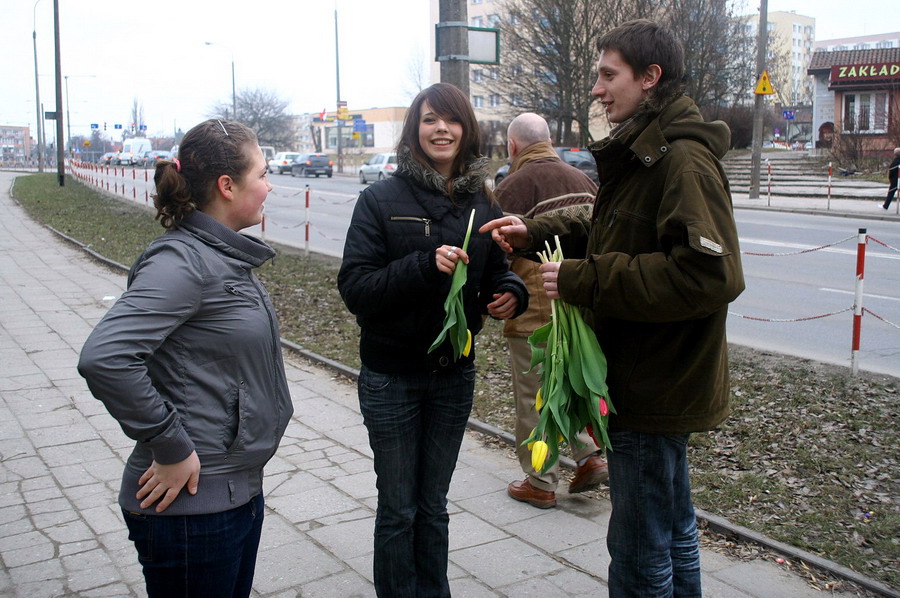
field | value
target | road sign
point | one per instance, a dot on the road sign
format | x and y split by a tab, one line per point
764	87
50	115
118	126
95	125
787	114
359	126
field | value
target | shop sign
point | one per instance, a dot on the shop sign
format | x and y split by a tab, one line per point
841	73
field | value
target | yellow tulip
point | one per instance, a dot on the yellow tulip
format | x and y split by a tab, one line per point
468	347
539	455
538	400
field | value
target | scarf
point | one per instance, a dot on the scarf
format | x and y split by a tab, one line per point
470	181
535	151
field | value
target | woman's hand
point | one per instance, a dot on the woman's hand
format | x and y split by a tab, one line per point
550	276
508	232
447	256
166	481
504	306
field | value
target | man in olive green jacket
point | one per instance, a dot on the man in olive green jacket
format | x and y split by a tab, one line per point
661	265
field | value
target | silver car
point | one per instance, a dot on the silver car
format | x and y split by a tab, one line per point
379	166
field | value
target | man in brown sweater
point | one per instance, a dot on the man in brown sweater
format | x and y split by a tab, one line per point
540	183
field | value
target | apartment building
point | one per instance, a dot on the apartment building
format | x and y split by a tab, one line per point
15	143
878	41
792	40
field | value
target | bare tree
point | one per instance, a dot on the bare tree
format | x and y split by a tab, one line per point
716	49
264	112
417	74
137	120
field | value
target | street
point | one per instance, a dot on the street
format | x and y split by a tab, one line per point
780	310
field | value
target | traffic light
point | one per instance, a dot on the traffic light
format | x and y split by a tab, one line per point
104	125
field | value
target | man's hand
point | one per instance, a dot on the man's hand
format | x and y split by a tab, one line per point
508	232
504	306
550	276
166	481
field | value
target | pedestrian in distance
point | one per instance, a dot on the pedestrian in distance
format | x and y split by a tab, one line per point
540	183
892	178
660	265
188	361
402	248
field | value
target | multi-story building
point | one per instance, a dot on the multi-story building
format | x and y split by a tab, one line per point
792	38
15	143
878	41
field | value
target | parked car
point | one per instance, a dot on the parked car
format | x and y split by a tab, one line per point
379	166
308	164
133	149
145	159
578	157
282	162
107	158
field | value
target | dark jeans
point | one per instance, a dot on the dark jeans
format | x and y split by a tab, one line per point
416	426
652	537
198	556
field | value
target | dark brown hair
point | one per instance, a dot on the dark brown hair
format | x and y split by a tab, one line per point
643	42
449	102
209	150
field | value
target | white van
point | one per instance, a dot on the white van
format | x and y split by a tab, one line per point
132	149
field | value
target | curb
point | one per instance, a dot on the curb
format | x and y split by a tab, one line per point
714	522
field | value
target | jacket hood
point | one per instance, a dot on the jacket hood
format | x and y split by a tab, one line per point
647	132
215	234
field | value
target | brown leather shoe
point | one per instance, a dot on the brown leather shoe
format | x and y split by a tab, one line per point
590	475
523	491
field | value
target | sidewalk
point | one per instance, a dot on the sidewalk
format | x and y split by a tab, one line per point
61	456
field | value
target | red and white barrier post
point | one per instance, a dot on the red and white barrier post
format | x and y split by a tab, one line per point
769	182
858	299
306	243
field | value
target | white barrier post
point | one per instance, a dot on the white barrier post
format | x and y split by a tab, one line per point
858	300
829	186
769	167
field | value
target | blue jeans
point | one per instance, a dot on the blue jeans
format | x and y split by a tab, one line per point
652	537
416	426
198	555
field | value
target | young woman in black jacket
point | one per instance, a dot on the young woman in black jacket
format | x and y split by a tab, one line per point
402	248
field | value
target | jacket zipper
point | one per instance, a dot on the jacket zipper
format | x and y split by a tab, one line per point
426	221
230	288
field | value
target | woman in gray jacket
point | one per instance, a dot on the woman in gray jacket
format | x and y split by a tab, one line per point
188	361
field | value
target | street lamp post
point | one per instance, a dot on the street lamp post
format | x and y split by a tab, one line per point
68	119
233	95
37	92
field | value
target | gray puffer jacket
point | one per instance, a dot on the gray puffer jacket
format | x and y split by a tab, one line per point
189	359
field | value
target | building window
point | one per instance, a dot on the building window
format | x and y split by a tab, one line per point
494	20
478	101
477	76
477	21
515	99
865	112
495	100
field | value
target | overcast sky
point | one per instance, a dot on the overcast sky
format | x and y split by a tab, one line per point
116	52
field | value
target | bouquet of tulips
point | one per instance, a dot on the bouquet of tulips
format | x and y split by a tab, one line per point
573	395
455	313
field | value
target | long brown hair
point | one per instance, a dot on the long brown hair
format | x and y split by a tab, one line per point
447	101
209	150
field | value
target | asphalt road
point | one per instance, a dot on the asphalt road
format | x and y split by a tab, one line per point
800	292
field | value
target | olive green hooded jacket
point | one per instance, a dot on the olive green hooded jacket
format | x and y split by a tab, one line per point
658	263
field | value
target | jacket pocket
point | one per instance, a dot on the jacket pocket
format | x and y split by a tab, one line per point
703	239
233	290
231	432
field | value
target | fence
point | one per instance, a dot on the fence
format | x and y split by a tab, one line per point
858	309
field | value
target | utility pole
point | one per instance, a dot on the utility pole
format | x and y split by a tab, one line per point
759	105
37	92
452	39
339	114
60	150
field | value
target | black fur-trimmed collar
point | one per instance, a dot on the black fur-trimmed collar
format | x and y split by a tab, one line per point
471	181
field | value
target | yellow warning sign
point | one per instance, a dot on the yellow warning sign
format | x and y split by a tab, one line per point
764	87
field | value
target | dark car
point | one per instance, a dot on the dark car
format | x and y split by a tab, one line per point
312	164
578	157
